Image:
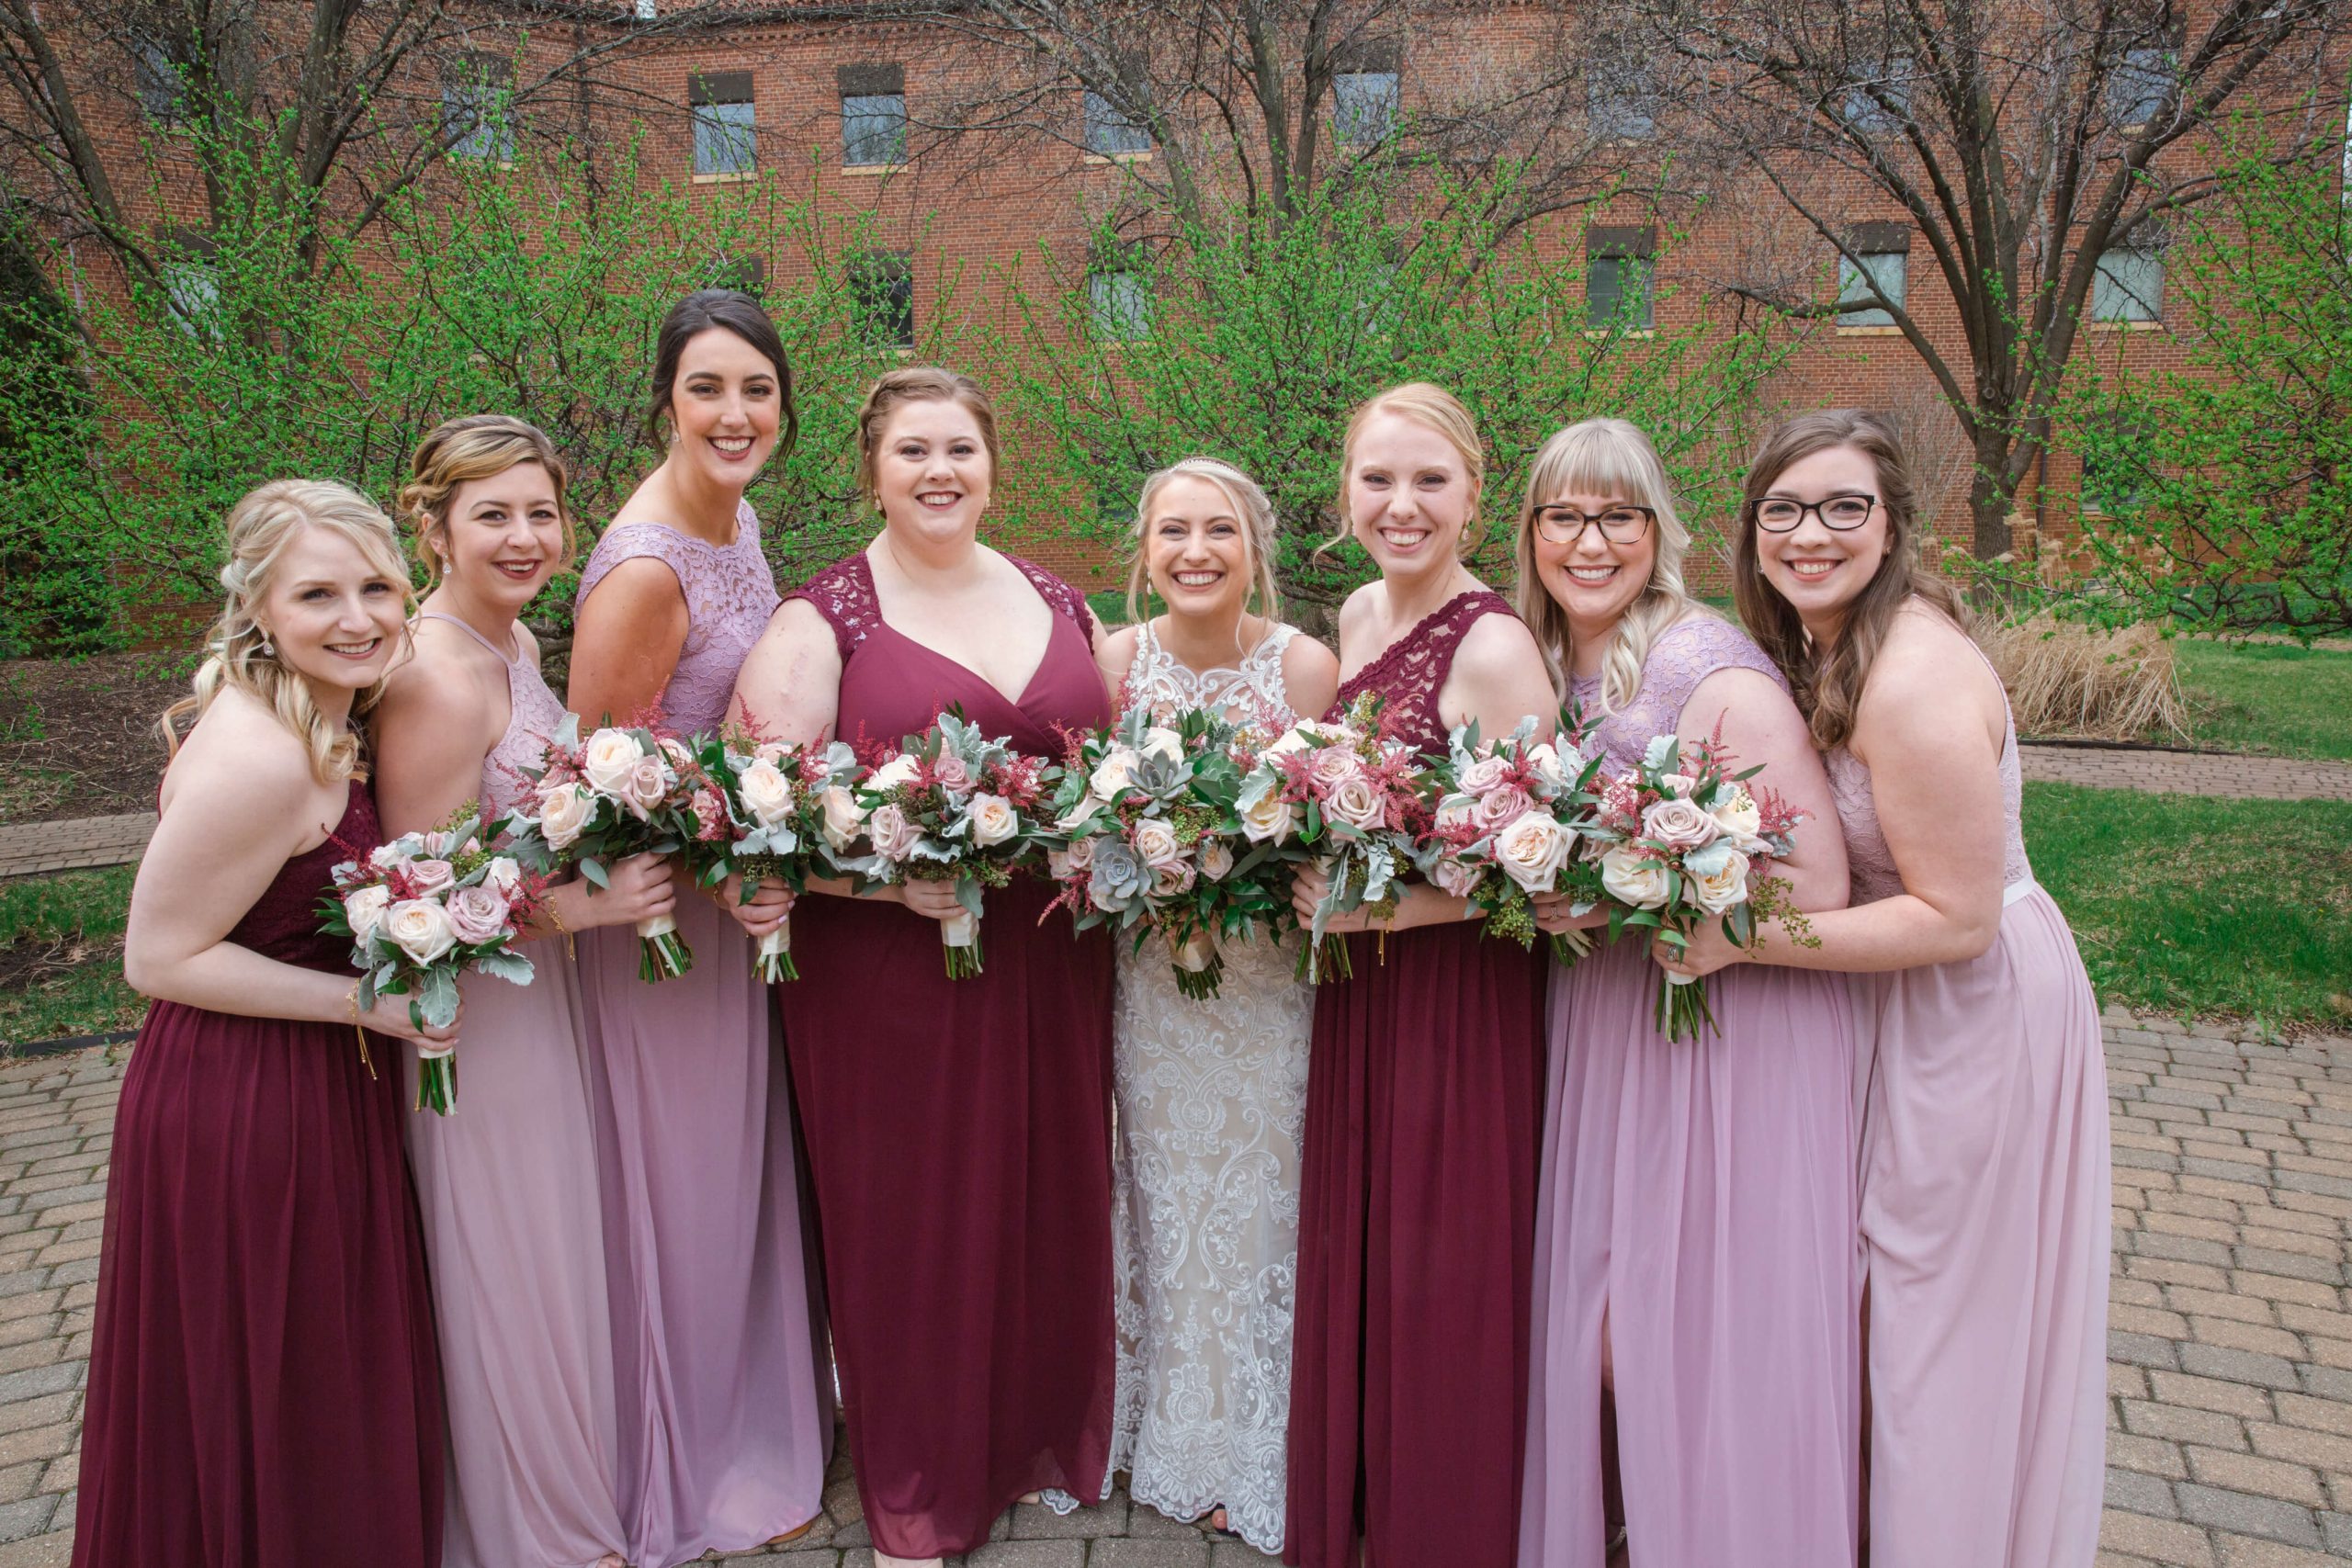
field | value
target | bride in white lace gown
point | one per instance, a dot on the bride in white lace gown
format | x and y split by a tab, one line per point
1211	1095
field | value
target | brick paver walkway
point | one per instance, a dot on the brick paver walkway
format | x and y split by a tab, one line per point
2230	1377
2189	773
74	846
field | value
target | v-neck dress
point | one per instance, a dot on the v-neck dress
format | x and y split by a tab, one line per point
959	1131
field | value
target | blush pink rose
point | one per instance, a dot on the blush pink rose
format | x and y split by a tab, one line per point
893	837
476	914
1500	808
1485	775
1333	766
1678	824
646	786
430	876
951	773
1452	877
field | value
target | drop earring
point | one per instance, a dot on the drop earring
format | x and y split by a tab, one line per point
268	649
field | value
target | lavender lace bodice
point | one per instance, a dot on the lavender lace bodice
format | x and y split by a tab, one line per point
1867	860
729	593
1411	671
533	717
1679	658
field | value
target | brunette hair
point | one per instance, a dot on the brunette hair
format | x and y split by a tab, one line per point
1612	457
478	447
727	309
1425	403
1255	513
260	527
918	384
1829	683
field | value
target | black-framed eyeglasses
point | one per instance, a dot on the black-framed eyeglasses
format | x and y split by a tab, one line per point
1619	525
1779	515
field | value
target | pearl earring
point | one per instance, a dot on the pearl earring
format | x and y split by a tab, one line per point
268	649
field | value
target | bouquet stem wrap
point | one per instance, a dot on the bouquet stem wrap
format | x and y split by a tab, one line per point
661	953
774	955
436	1076
959	936
1200	967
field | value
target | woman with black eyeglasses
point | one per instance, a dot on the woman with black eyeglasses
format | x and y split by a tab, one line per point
1984	1157
1695	1217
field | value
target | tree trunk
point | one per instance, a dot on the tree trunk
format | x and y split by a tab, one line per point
1989	502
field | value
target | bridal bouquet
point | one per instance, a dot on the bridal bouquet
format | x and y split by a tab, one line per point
623	792
1509	813
1349	799
1682	840
1145	835
774	795
420	911
950	806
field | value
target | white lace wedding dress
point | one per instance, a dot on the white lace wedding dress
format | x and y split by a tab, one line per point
1212	1099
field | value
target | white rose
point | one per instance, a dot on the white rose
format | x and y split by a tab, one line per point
1215	860
1532	850
1716	886
843	821
1456	811
363	909
1293	740
1356	803
386	856
765	792
564	813
993	820
1159	742
1736	814
1115	772
504	874
1272	819
899	770
1631	877
1546	764
419	928
1155	844
610	757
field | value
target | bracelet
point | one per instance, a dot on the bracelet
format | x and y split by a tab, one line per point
570	951
352	1005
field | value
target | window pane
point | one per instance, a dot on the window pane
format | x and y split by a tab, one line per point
1858	307
874	129
162	91
2127	286
884	288
2139	86
724	139
192	288
1363	106
1882	103
1617	292
474	117
1122	305
1110	134
1619	105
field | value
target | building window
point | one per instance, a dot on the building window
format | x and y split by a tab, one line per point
190	275
2129	284
725	135
1880	101
1883	272
477	101
2115	466
1110	134
1364	95
874	115
1119	302
882	288
162	90
745	275
2139	86
1619	104
1619	278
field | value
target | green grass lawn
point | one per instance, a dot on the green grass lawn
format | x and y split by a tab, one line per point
2296	702
60	956
2188	905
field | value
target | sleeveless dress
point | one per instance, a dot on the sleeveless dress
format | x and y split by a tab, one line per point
1211	1101
1417	1210
1984	1228
959	1131
724	1424
1701	1196
263	1390
508	1189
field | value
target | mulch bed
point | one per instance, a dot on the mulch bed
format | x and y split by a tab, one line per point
77	737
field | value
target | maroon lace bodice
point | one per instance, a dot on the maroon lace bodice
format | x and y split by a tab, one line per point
1411	671
284	922
844	594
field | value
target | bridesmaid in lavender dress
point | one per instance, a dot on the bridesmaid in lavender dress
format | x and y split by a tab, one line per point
959	1131
1985	1172
1423	1105
723	1424
1694	1243
508	1187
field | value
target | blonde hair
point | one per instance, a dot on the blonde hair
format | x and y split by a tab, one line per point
478	447
1250	505
1425	403
1610	458
918	384
260	528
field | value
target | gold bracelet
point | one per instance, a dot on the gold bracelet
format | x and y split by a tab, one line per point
352	1005
569	950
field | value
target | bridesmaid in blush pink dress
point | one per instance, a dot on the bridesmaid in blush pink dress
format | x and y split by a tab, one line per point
724	1409
1694	1239
1425	1077
959	1131
508	1184
1985	1161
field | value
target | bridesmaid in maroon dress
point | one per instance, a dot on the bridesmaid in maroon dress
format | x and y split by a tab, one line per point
959	1131
263	1388
1425	1089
